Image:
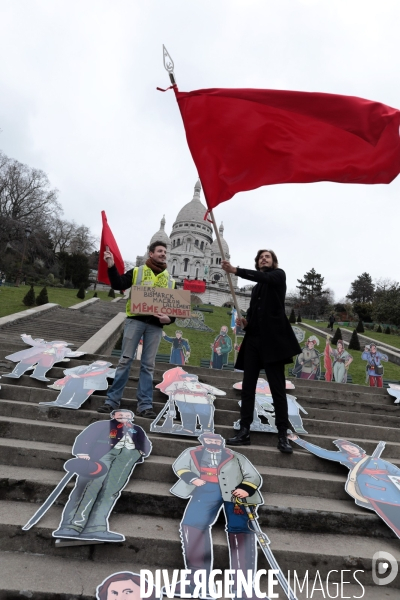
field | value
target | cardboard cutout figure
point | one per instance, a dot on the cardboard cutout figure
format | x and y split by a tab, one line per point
264	407
216	478
79	383
341	360
180	351
373	482
374	365
299	333
193	399
41	357
220	349
106	454
394	390
123	585
195	321
307	365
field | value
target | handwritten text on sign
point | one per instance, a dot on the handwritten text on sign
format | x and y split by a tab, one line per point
153	300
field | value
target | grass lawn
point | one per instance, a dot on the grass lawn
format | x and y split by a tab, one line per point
357	367
387	338
11	297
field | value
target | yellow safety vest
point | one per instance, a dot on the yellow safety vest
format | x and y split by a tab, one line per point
144	276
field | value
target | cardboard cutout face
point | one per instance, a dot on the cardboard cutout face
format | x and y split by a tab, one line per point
194	401
40	357
106	454
214	479
264	409
80	383
180	348
220	349
372	481
123	585
394	390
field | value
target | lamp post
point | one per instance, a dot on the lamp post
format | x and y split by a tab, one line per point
28	232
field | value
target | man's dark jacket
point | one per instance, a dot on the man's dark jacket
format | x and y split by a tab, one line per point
101	437
278	341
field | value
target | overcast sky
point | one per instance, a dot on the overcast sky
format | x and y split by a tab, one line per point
78	99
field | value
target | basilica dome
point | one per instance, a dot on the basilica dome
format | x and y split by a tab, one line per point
193	210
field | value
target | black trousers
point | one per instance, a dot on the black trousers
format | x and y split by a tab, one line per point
275	372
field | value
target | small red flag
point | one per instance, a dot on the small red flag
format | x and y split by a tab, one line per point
242	139
107	239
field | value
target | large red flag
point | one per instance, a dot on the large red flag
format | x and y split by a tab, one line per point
242	139
107	239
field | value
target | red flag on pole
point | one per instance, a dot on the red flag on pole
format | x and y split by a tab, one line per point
242	139
107	239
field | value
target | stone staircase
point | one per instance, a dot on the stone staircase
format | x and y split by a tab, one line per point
312	523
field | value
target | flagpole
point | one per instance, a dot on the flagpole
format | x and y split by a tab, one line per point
169	67
235	300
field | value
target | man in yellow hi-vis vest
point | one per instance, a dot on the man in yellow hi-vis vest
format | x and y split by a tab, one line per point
154	273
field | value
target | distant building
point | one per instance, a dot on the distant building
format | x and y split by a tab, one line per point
194	254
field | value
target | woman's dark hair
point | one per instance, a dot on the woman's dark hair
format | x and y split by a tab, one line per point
154	245
102	589
274	258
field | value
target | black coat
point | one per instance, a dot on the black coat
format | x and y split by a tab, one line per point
278	340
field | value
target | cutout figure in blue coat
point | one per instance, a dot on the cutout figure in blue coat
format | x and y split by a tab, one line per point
180	351
373	482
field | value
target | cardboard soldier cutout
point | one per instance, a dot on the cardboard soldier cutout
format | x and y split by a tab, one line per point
264	407
193	399
307	365
106	454
373	482
341	360
394	390
374	360
79	383
180	351
41	357
220	349
216	478
124	585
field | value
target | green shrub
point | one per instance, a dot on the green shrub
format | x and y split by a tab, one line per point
42	297
360	327
292	318
337	336
379	330
81	293
387	330
299	318
95	295
29	298
354	341
111	293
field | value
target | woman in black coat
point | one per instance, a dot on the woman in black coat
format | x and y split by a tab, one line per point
269	344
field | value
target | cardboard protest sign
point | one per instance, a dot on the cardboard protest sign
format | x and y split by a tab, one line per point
154	300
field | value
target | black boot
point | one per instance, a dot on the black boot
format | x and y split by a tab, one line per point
283	443
242	438
243	553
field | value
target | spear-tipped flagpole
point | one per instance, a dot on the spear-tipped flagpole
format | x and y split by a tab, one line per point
169	66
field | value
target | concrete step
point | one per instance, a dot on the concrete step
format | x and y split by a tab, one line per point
155	540
77	580
147	493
